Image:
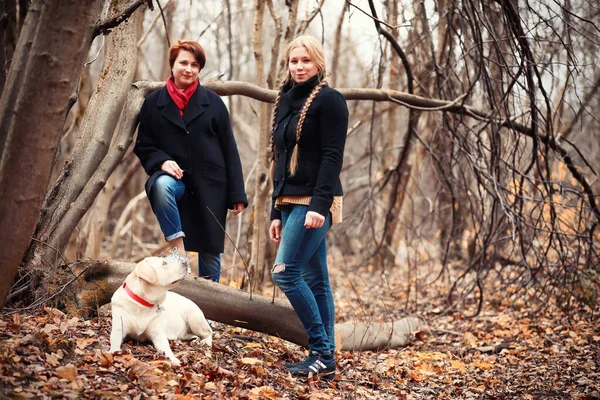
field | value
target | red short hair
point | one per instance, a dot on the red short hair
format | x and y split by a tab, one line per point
188	45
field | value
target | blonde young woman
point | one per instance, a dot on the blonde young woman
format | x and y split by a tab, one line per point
309	127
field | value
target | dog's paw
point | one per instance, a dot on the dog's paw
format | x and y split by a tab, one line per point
175	362
114	351
207	341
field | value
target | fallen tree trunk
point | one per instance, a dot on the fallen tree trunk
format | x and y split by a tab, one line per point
99	280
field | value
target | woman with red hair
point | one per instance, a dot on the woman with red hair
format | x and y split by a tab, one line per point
186	146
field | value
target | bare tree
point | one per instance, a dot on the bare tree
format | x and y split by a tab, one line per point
61	210
55	52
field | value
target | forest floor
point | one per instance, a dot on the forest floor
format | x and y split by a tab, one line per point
510	350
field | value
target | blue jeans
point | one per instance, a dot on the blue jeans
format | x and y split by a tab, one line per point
165	193
209	266
300	271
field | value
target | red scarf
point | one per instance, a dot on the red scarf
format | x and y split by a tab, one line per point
181	98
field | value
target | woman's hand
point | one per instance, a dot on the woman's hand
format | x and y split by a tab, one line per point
313	220
172	168
238	208
275	230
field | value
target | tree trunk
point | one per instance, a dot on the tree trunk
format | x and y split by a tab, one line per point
261	186
386	256
57	222
47	61
337	45
235	307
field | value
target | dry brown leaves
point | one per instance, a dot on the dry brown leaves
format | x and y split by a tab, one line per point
509	351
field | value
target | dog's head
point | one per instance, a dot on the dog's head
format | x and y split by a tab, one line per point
156	271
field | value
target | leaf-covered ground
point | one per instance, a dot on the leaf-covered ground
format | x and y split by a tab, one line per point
509	351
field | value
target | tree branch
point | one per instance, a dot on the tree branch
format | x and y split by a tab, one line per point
105	26
162	14
304	24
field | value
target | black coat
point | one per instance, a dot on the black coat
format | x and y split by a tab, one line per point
321	146
202	143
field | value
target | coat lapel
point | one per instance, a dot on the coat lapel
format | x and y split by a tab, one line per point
169	108
195	107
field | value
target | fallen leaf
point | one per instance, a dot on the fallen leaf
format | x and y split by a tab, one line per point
458	365
251	361
104	359
68	372
49	328
52	359
262	392
483	364
83	343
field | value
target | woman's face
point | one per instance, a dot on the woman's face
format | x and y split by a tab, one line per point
301	65
185	69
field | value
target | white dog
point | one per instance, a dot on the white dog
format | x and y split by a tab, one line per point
144	309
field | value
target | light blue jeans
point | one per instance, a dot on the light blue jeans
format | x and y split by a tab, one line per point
165	193
300	271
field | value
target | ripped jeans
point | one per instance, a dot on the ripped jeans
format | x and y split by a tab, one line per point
300	271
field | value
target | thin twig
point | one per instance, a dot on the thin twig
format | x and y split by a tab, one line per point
164	23
44	300
57	252
374	18
238	250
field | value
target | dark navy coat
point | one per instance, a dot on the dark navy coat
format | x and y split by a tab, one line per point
202	143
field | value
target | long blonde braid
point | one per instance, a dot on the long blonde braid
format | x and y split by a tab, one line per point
307	103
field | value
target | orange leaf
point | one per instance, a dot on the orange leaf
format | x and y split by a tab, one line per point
263	391
458	365
105	359
483	364
251	361
68	372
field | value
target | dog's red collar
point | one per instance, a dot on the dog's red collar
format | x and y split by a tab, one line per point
136	297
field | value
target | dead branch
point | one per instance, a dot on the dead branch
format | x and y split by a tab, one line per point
235	307
104	27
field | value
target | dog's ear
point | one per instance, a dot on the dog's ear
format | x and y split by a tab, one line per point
145	271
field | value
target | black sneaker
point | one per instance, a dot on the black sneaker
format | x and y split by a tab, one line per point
316	364
312	357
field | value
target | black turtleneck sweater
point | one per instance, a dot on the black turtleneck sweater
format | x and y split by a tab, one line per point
321	145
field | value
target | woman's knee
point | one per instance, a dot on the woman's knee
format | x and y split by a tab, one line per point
163	189
164	184
279	275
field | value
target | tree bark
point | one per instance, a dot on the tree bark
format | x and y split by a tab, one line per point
261	185
235	307
47	61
